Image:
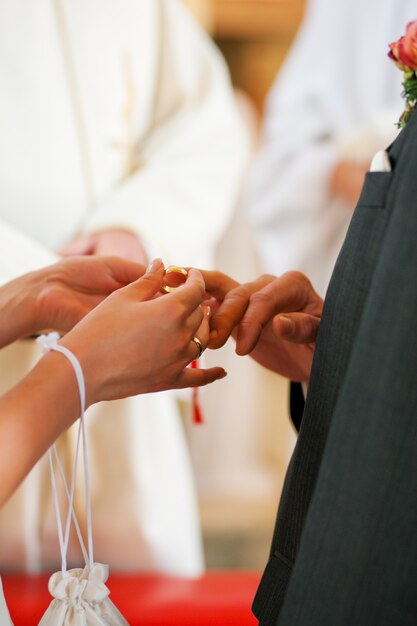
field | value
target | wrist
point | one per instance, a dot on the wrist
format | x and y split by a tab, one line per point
18	306
83	349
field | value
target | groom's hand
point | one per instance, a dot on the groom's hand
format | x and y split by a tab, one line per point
229	302
289	302
275	320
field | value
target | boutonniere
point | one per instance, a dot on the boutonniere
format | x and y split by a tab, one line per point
404	54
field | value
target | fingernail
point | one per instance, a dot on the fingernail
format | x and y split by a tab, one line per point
207	311
154	265
287	325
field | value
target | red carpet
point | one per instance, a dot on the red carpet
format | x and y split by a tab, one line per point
216	599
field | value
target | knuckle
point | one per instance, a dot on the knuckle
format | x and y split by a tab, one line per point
221	318
298	277
260	298
240	293
234	304
267	278
294	275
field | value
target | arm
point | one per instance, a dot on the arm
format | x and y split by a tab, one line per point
189	165
131	343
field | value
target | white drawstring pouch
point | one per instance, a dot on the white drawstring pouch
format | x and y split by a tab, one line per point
81	599
80	595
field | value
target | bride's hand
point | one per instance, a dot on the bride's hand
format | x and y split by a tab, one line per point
135	343
60	295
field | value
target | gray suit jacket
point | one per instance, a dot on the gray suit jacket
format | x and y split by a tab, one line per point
344	551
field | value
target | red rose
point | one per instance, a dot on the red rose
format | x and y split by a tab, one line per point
404	51
394	54
408	46
404	54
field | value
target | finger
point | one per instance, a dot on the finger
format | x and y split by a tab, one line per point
199	377
200	335
228	316
84	244
297	327
123	271
203	332
93	275
291	292
146	287
191	293
232	310
194	320
218	284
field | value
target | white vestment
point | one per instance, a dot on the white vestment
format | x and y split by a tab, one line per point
112	114
337	96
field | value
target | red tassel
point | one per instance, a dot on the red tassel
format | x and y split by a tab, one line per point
197	412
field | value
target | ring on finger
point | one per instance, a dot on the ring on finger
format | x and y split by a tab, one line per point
199	346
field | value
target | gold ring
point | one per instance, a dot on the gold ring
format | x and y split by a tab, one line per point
199	346
173	269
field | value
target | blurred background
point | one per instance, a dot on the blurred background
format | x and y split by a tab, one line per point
167	135
241	452
254	37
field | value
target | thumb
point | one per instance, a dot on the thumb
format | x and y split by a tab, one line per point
151	282
297	327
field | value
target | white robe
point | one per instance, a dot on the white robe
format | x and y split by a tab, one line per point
337	96
112	114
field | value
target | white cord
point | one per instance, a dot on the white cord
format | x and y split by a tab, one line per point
64	482
50	342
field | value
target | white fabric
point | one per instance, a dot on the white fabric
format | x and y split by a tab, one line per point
337	96
381	162
81	599
113	114
4	612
